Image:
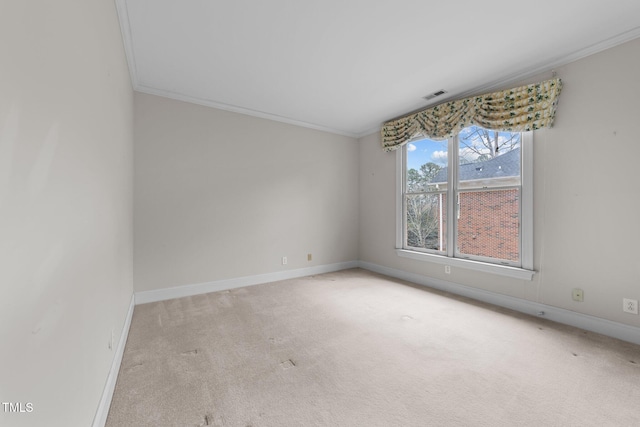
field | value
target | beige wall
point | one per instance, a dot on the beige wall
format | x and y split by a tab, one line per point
221	195
66	134
586	196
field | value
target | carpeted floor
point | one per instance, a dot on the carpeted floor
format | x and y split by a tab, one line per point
354	348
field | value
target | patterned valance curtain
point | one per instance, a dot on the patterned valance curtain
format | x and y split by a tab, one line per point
519	109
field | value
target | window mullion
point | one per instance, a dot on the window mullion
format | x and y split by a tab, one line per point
452	189
526	202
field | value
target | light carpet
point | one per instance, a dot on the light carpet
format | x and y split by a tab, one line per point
354	348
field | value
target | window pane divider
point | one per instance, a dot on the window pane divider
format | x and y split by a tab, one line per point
421	193
476	190
452	199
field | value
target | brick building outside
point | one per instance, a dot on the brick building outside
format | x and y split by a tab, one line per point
488	215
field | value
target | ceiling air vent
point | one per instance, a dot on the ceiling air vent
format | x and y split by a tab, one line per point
434	94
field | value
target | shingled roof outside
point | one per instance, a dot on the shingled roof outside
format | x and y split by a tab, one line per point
507	164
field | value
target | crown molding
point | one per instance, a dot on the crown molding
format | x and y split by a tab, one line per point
515	78
127	40
127	37
236	109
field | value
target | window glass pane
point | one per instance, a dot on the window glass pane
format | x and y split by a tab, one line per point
489	224
425	216
426	165
488	219
488	158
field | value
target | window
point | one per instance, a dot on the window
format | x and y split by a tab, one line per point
468	201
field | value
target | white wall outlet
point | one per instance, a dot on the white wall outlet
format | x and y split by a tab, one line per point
447	269
577	294
284	260
630	305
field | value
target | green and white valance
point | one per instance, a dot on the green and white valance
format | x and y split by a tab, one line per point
519	109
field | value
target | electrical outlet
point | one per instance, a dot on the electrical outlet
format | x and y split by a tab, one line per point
309	257
447	269
577	294
284	260
630	305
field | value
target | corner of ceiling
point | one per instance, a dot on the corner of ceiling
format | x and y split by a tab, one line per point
127	40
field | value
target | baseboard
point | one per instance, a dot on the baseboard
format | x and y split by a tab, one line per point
567	317
222	285
100	418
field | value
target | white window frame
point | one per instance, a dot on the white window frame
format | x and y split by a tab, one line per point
525	270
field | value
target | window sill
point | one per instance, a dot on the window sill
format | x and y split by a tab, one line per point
501	270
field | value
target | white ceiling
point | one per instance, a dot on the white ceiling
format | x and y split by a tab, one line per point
346	66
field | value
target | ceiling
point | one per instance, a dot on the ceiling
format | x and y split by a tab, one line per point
346	66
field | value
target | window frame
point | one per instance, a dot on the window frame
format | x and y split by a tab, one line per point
524	270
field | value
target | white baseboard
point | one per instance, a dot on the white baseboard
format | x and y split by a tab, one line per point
560	315
100	418
144	297
567	317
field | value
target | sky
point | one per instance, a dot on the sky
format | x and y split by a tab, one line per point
424	151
